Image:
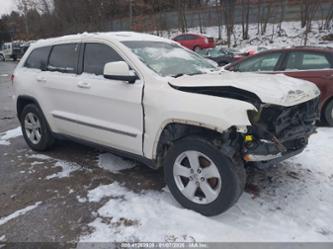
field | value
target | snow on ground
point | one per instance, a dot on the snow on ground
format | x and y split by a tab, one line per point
97	194
18	213
292	35
294	203
114	163
6	136
3	238
40	157
67	169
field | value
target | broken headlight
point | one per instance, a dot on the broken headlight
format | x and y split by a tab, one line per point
254	116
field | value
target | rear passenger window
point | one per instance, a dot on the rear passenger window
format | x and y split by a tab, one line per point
192	37
64	58
307	61
180	38
96	56
38	58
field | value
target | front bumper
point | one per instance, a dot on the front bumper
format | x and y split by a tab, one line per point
272	160
281	133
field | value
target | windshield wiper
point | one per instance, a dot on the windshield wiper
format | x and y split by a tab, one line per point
178	75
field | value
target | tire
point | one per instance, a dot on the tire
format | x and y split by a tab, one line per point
2	58
196	49
35	129
328	113
227	186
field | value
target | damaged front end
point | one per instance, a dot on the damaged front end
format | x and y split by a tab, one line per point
278	132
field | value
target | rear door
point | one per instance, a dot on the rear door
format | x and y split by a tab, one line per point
312	66
58	83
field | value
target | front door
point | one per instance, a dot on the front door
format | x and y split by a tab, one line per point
107	112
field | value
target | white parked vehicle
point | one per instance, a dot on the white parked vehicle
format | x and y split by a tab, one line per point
152	100
12	50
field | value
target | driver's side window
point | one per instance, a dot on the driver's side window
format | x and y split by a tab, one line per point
266	62
96	56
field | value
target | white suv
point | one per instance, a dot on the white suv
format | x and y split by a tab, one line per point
150	99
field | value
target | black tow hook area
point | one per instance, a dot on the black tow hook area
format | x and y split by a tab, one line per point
257	150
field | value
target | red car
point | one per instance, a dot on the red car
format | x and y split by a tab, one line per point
309	63
195	42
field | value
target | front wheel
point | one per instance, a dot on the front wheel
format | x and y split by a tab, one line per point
201	178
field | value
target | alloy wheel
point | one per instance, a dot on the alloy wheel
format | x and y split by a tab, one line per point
32	128
197	177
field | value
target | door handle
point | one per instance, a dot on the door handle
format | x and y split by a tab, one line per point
41	79
84	85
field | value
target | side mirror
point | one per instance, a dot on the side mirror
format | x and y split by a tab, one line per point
119	70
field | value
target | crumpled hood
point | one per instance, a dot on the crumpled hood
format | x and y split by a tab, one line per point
271	89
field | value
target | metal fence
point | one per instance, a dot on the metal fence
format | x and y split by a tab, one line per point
208	16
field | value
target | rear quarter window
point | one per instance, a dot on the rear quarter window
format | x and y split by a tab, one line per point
38	58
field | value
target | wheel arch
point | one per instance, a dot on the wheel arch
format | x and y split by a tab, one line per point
24	100
174	130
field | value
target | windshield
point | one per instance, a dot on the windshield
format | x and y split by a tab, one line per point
168	59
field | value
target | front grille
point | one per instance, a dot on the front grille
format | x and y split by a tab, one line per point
289	123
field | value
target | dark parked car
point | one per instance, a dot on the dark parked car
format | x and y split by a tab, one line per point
314	64
195	42
221	57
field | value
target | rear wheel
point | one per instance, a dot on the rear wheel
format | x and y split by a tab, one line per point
201	178
35	129
328	113
2	58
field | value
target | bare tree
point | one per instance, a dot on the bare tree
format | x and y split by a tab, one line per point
229	17
219	18
182	21
283	6
309	9
329	18
265	10
245	5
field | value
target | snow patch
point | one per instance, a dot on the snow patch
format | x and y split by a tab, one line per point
67	169
6	136
293	205
19	213
40	156
36	163
3	238
114	163
81	199
97	194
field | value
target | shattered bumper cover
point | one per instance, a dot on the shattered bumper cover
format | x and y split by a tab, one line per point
281	132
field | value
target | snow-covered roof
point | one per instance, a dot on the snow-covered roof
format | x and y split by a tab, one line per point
118	36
